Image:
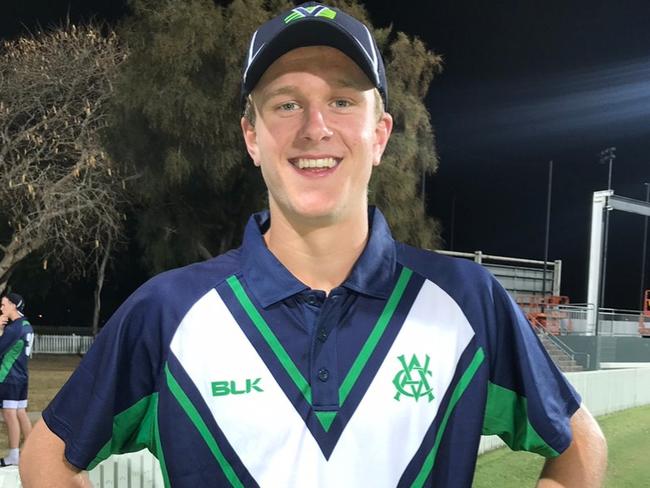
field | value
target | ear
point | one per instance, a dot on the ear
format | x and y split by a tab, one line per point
250	138
382	134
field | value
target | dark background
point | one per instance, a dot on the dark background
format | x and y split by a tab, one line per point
524	82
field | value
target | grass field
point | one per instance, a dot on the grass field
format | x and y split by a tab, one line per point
628	436
628	439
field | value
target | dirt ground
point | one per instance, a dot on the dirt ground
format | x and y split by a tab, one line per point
47	374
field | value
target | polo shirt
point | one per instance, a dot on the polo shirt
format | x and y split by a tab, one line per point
234	373
15	349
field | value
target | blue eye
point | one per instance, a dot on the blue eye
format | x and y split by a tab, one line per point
342	103
288	106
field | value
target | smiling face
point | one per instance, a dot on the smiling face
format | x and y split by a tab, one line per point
316	135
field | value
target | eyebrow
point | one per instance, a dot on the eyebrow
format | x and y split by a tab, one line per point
293	89
357	85
283	90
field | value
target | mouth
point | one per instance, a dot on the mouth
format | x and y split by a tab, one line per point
315	164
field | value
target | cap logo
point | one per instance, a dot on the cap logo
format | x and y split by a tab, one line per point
313	11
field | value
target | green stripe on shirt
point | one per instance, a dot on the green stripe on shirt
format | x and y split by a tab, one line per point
10	358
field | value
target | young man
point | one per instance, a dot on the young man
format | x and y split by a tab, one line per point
321	352
15	349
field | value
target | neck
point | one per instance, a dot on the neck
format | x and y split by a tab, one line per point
320	255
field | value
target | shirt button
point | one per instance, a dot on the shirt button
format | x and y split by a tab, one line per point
311	300
322	335
323	374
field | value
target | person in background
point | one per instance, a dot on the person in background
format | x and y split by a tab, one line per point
15	350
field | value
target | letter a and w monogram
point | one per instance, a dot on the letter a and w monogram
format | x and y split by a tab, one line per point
412	380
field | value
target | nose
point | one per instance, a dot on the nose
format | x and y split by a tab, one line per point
314	127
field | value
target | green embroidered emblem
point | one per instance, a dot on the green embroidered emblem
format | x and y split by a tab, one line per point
412	379
313	11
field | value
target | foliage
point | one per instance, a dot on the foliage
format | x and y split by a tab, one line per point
411	153
176	117
61	196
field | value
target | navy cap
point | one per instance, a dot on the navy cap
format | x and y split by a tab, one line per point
17	300
313	24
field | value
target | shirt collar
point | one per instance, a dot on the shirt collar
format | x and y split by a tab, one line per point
271	282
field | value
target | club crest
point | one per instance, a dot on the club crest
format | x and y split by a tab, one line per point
412	380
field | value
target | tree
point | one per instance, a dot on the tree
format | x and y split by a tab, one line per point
61	196
411	153
177	117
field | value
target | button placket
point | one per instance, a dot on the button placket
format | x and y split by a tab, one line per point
322	334
323	360
323	374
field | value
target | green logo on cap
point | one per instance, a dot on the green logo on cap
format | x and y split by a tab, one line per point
314	11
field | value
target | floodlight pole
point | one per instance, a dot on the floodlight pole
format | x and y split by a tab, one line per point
548	225
645	243
453	222
602	200
606	156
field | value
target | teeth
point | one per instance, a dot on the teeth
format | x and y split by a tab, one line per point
316	163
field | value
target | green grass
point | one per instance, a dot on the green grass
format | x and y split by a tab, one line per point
628	440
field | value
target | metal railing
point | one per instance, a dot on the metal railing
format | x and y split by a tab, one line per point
518	275
573	319
574	355
570	353
612	322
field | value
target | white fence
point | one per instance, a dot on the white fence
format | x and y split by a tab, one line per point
61	344
139	469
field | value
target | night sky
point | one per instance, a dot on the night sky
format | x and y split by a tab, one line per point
524	82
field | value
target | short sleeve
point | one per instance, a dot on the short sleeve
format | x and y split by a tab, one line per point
109	404
529	401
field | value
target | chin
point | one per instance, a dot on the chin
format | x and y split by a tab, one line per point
321	216
321	213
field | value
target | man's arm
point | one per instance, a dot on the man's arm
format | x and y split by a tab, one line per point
43	465
584	463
